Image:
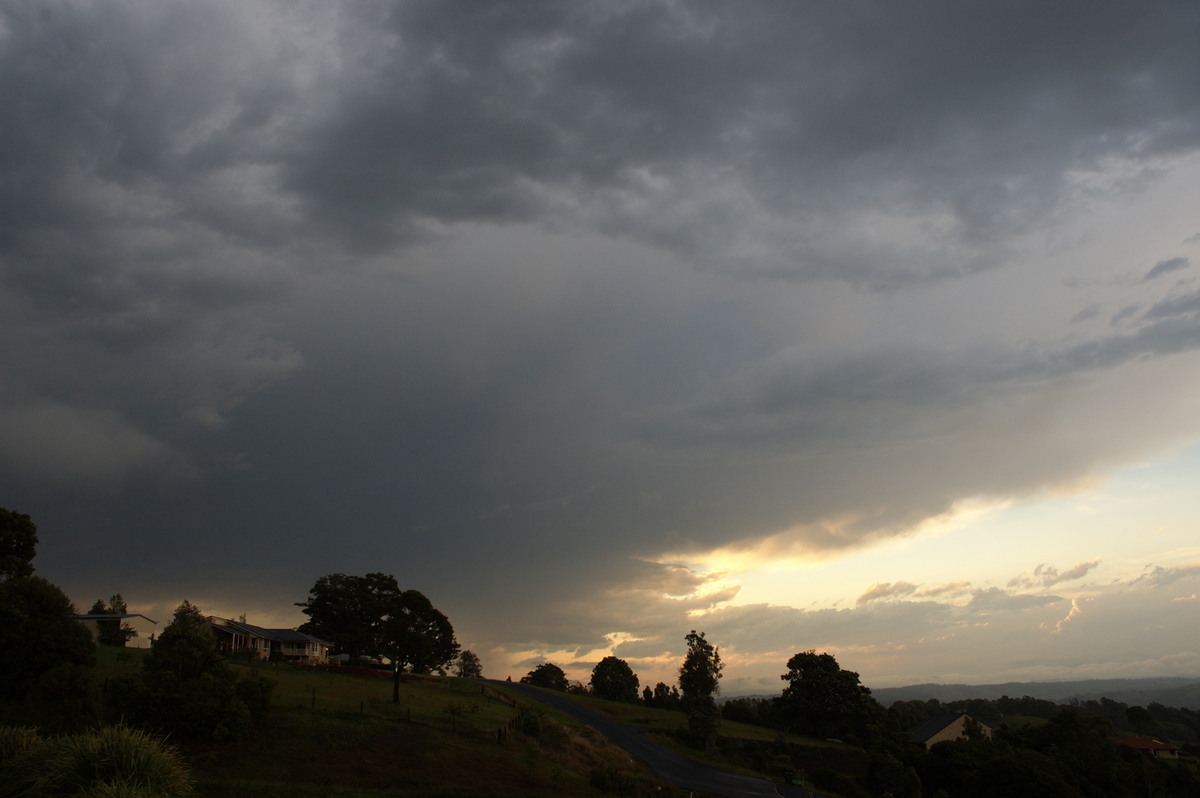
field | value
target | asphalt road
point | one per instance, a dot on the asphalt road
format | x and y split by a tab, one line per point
668	766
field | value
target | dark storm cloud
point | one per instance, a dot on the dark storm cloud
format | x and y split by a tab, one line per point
717	130
511	299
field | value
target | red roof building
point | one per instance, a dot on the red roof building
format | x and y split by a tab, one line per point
1155	748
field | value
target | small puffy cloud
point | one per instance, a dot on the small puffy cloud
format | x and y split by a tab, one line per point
1047	575
1166	267
1160	576
956	588
881	591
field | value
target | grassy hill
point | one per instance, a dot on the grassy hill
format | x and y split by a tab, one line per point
338	734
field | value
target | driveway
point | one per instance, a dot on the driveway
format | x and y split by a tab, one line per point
668	766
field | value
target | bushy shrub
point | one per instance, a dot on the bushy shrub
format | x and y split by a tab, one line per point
64	699
531	722
255	692
217	705
112	762
185	688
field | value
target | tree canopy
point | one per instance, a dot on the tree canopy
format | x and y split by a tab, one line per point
348	611
37	633
370	616
547	675
614	680
700	673
186	648
187	688
663	696
824	700
413	634
44	653
699	678
468	666
416	635
18	544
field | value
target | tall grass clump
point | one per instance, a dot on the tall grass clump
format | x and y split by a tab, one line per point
15	741
111	762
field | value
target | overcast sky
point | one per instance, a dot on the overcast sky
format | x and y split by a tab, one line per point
863	327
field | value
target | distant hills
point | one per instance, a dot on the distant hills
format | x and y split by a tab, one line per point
1168	691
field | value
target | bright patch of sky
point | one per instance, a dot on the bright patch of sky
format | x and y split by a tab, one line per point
1135	518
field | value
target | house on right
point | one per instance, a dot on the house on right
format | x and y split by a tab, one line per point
948	726
1155	748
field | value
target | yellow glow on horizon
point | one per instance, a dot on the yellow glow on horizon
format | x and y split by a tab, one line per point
786	567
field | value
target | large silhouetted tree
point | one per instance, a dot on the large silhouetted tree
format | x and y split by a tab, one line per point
699	678
613	679
414	634
824	700
349	611
370	616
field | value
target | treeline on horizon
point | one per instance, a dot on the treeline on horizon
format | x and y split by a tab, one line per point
1172	691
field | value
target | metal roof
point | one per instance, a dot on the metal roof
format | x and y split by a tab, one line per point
111	617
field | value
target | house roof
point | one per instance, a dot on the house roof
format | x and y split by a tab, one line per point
282	635
109	616
1145	743
926	729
